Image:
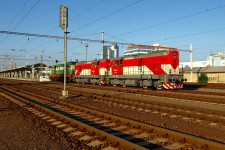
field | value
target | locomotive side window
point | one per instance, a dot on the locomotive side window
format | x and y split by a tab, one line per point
94	65
174	53
121	62
116	63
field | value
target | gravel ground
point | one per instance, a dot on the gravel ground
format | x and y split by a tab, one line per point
18	131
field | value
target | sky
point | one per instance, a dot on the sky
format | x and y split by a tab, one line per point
173	23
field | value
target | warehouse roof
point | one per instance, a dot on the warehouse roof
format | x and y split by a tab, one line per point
195	69
207	69
216	69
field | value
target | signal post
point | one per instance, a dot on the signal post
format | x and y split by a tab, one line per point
64	25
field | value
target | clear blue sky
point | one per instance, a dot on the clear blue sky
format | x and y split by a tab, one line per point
174	23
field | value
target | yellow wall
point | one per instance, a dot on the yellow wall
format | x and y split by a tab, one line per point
213	77
188	77
216	77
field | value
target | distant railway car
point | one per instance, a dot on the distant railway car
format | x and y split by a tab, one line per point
58	72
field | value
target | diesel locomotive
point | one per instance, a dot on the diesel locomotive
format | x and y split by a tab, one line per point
158	68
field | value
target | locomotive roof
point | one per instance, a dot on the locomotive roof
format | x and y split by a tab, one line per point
68	63
153	53
85	62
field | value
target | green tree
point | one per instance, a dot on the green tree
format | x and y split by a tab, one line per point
203	78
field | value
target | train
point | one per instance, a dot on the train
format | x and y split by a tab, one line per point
158	68
57	73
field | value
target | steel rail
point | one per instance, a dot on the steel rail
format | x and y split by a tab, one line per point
121	143
186	137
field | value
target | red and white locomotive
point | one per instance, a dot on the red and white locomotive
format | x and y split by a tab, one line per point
158	68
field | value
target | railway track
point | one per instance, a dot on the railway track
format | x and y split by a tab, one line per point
101	126
163	107
214	96
211	97
204	117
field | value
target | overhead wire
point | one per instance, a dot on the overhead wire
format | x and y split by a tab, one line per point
12	20
110	14
146	10
179	36
61	37
173	20
191	34
115	37
89	9
92	7
22	19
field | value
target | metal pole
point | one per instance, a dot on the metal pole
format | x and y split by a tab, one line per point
191	66
64	24
65	92
41	60
102	45
86	45
27	58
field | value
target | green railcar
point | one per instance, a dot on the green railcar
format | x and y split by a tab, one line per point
58	72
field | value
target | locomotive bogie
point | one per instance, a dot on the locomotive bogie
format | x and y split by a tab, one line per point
125	82
116	82
82	79
145	83
94	81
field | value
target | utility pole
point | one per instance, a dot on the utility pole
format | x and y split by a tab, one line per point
64	26
191	62
27	55
86	45
41	61
12	62
191	65
27	58
6	62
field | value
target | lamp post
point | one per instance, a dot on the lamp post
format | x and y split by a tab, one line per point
41	69
102	52
64	26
